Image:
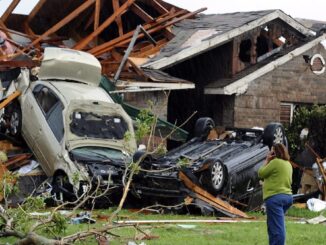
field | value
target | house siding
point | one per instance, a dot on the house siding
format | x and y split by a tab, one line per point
293	82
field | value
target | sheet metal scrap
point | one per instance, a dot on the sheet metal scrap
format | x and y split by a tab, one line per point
102	27
214	202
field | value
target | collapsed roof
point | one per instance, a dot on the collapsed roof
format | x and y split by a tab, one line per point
103	28
136	39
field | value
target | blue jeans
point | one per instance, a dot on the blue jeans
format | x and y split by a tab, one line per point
276	206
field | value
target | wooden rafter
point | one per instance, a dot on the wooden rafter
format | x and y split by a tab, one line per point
82	44
110	44
9	10
35	10
6	30
64	21
141	13
156	5
116	6
150	31
31	15
97	14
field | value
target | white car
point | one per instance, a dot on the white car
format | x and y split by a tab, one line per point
72	126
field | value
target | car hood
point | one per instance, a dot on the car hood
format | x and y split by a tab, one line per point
70	65
99	108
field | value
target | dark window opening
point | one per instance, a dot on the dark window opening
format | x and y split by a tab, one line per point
52	109
245	48
261	46
45	98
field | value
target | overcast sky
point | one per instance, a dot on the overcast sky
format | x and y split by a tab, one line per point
313	9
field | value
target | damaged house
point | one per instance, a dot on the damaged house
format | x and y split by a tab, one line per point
242	69
250	68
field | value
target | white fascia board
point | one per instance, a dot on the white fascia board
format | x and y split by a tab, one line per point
240	86
220	39
137	86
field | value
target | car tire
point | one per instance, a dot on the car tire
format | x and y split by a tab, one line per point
62	189
274	133
203	126
214	177
15	120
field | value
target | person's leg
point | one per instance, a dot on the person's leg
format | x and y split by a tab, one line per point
287	201
275	220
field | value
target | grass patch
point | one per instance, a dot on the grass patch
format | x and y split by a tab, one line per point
253	232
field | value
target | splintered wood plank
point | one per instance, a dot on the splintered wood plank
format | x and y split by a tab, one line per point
82	44
137	69
10	98
116	5
9	10
144	53
64	21
109	45
207	197
156	29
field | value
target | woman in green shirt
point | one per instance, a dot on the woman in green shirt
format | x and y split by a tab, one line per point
277	176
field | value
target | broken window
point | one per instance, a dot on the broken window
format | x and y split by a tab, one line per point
88	124
245	50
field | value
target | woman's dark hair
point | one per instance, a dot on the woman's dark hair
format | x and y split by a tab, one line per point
281	151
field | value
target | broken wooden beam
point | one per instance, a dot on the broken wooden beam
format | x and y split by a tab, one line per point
64	21
10	98
9	10
156	29
216	202
100	49
82	44
97	14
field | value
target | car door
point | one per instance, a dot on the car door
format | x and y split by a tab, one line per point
44	123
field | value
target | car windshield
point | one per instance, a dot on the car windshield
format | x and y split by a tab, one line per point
92	125
98	154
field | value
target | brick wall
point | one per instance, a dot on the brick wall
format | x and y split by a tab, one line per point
293	82
140	100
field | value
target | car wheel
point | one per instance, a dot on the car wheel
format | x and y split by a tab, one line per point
62	189
15	120
214	177
273	134
203	126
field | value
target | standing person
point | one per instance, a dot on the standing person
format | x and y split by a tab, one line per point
277	194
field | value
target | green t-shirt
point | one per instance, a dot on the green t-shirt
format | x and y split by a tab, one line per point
277	177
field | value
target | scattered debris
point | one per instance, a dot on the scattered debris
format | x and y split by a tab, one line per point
316	205
221	163
317	220
142	222
83	217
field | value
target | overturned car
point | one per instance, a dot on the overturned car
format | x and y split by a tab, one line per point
72	126
226	166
